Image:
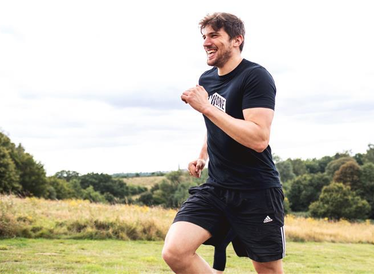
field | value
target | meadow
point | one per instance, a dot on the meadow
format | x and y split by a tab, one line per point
78	219
135	257
144	181
75	236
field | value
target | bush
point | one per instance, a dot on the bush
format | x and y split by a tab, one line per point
337	201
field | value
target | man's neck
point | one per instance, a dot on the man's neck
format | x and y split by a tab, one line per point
230	65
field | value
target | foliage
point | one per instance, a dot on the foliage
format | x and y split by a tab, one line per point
302	180
285	170
305	189
369	156
67	175
349	174
367	182
104	183
298	167
19	171
172	191
9	177
338	201
334	165
62	188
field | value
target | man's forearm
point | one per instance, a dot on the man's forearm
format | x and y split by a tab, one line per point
204	150
245	132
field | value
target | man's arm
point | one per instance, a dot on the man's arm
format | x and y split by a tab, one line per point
252	132
195	167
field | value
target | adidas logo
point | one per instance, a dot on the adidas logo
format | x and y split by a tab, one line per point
268	219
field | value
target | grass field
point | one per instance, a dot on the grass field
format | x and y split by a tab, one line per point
53	227
115	256
144	181
76	219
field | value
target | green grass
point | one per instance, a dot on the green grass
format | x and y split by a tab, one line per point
115	256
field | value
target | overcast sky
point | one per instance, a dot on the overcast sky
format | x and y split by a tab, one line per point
94	86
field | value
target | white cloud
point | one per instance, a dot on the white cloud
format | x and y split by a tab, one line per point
95	85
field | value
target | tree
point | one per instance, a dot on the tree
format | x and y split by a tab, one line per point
146	198
334	165
175	177
312	166
306	189
9	177
285	170
104	183
78	191
338	201
367	182
181	194
164	193
298	167
369	156
67	175
323	162
349	174
360	158
93	196
62	188
32	176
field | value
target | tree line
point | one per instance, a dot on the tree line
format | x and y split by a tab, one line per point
339	186
20	174
334	187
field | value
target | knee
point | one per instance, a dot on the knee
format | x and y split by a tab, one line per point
174	257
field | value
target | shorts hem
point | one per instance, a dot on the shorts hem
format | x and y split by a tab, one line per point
193	221
265	260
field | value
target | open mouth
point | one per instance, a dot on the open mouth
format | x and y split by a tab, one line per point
211	52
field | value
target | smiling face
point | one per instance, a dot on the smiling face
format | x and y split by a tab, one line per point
218	46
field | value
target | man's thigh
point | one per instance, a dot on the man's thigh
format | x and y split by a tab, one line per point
184	237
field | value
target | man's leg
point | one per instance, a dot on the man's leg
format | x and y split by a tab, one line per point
181	243
275	267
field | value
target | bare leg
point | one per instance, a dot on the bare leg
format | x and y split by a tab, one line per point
181	243
275	267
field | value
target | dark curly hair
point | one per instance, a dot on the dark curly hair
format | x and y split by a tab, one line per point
229	22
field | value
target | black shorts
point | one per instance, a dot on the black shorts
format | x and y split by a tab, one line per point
256	217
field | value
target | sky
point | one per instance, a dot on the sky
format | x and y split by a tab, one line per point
94	86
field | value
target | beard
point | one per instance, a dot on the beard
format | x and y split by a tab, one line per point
221	59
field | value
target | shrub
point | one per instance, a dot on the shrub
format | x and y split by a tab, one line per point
337	201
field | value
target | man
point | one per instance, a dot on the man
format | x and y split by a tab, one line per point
243	191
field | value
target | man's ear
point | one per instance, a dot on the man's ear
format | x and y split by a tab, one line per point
238	40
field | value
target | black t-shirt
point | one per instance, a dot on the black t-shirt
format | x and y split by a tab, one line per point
232	165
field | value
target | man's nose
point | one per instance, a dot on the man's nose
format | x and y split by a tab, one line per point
207	42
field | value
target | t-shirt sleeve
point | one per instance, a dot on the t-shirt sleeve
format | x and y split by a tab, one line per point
259	90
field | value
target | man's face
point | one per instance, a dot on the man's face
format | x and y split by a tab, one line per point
217	45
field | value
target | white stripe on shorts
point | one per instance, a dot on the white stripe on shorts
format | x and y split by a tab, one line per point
283	241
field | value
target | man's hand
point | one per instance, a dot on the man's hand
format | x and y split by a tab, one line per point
196	97
195	167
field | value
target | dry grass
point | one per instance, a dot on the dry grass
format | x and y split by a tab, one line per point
39	218
144	181
312	230
32	217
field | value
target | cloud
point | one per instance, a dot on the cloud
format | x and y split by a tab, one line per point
95	86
